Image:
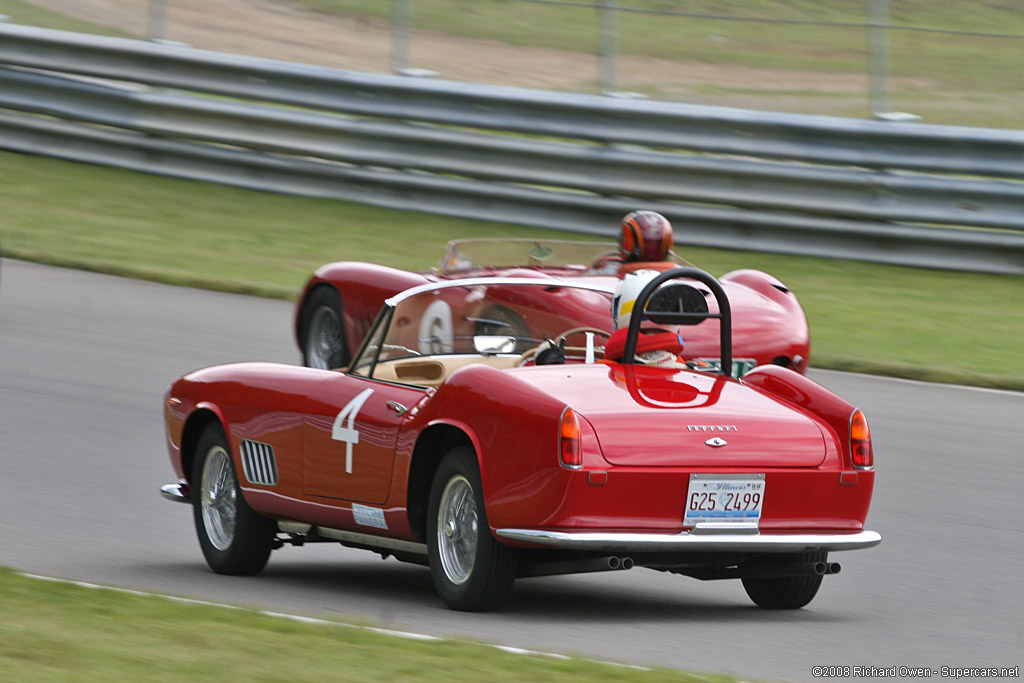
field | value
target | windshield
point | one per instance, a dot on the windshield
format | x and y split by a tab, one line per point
481	317
473	254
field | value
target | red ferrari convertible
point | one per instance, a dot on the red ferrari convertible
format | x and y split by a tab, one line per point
340	300
489	458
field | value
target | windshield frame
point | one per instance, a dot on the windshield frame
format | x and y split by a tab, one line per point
522	253
366	358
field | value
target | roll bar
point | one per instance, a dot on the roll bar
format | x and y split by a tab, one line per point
682	317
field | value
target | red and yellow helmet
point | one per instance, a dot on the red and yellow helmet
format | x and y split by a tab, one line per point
646	236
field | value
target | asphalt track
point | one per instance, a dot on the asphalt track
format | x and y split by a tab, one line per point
85	360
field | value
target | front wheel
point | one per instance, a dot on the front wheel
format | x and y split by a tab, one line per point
322	330
235	540
786	592
472	572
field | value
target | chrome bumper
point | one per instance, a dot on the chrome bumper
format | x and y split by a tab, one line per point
176	492
699	540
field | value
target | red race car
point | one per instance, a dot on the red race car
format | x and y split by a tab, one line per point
339	302
462	451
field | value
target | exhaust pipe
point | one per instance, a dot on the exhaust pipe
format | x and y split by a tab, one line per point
822	568
620	563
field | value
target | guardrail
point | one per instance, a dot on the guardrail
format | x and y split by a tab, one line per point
902	193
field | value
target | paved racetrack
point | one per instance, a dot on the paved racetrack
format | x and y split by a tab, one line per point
85	360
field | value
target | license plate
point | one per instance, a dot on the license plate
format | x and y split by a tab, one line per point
724	498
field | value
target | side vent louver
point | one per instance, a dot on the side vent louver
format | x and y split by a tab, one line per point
259	463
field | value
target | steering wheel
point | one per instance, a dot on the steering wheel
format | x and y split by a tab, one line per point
530	354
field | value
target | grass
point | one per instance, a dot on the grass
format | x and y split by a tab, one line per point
762	33
33	15
907	322
60	632
760	45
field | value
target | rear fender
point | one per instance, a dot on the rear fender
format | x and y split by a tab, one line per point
797	332
432	444
513	427
804	393
764	284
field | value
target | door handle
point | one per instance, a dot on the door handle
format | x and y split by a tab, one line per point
399	409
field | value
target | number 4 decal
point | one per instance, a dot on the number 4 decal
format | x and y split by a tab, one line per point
348	433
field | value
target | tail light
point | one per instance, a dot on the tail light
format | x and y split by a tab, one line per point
569	451
860	442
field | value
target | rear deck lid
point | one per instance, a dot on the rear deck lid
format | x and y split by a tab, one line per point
647	417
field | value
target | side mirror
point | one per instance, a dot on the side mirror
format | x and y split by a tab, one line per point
541	253
490	345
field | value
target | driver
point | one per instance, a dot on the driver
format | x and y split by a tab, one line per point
658	345
645	243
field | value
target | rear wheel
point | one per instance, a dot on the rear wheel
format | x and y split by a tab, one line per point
786	592
472	572
322	330
234	539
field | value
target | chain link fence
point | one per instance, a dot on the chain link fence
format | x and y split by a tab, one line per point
956	62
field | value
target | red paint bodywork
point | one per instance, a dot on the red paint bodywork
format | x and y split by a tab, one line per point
643	433
768	322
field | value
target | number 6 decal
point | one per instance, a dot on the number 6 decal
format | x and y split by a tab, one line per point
348	433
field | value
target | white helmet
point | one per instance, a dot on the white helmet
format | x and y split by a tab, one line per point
668	298
626	292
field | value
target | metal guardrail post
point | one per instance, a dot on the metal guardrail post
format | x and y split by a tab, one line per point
878	47
878	67
609	49
157	19
401	21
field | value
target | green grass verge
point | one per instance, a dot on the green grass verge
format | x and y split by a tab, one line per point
907	322
747	31
33	15
770	35
61	632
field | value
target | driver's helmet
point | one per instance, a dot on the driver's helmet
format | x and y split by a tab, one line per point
646	236
670	296
626	292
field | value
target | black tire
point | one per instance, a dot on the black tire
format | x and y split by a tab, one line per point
235	540
322	330
472	571
786	592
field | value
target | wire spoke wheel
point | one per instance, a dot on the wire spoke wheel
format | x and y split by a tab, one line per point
217	497
472	571
234	538
457	530
323	340
322	330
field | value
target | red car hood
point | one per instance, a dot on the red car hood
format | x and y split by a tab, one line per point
650	417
